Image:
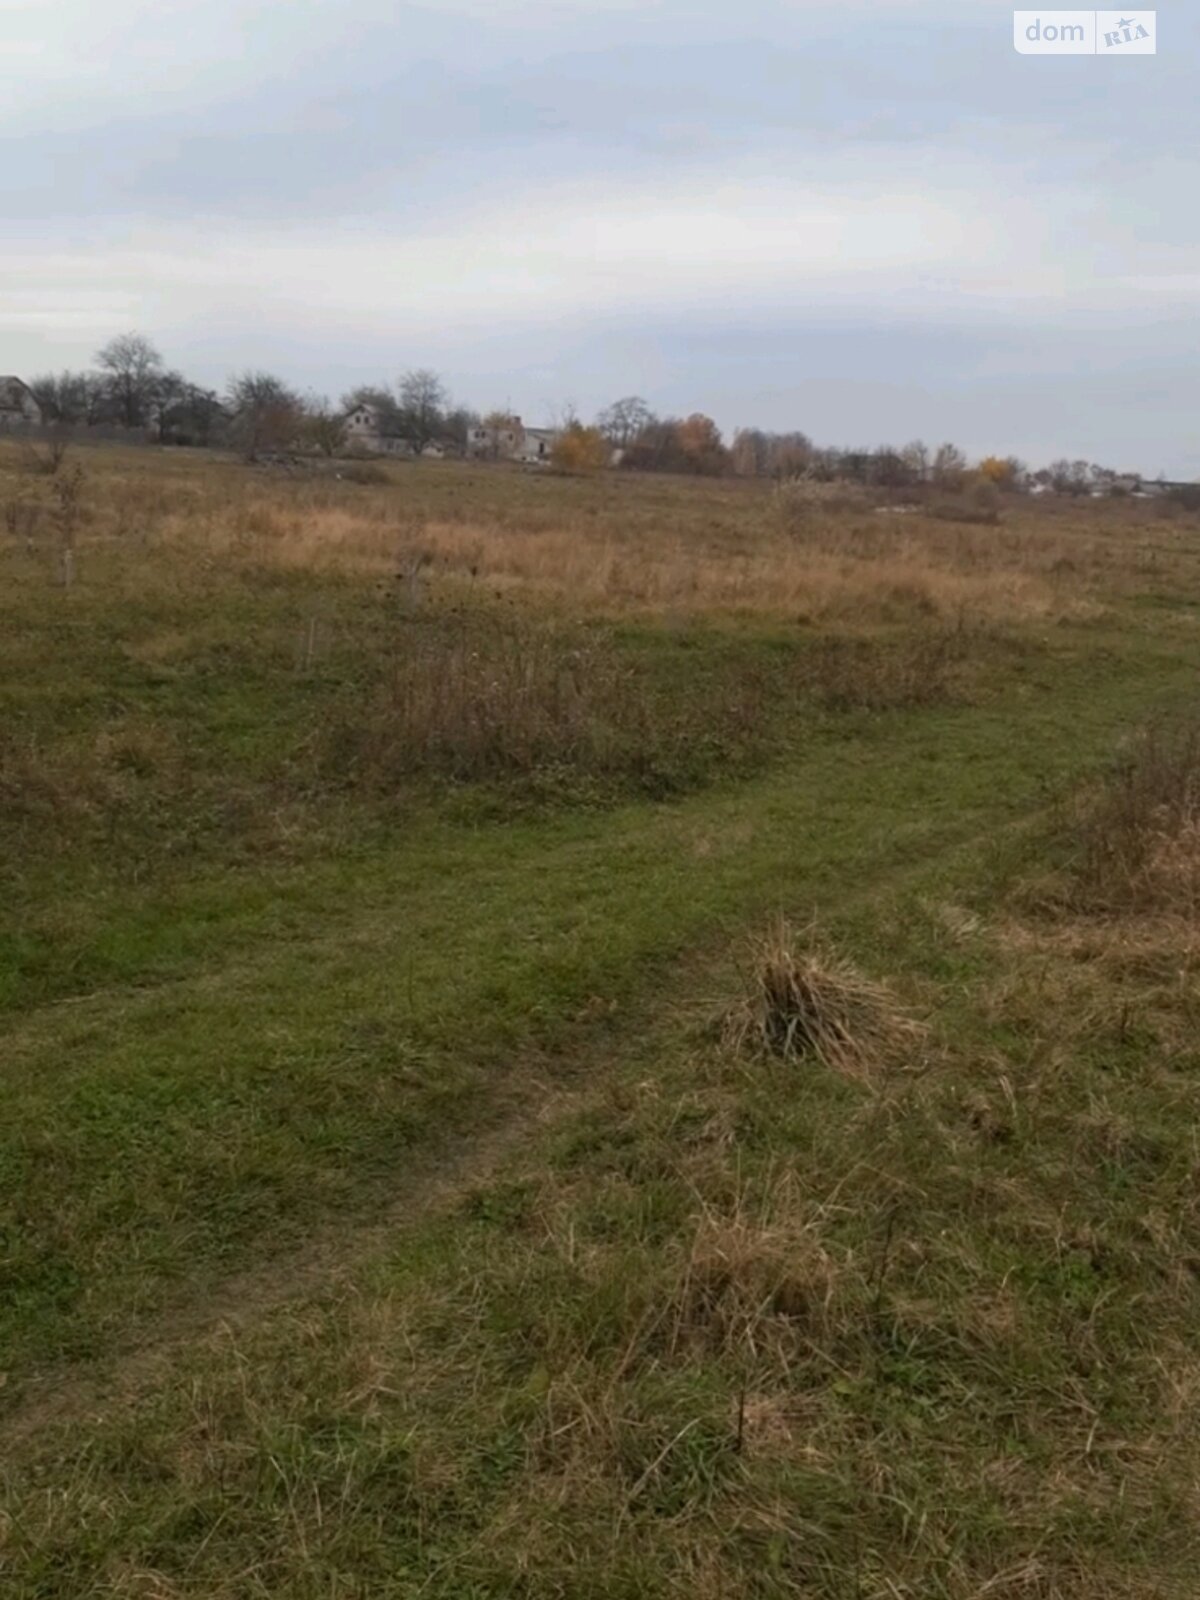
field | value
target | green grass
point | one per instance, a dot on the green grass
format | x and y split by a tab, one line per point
526	1286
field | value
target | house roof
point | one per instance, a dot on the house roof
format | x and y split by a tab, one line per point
15	393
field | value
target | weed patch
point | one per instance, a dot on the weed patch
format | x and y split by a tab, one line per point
920	669
1134	835
475	695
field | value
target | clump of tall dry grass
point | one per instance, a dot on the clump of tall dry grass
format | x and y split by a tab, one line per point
799	502
1139	830
979	507
867	674
750	1282
480	693
803	1002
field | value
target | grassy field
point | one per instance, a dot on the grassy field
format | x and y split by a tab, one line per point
389	1205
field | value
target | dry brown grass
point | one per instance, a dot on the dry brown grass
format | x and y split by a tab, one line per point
477	693
851	673
841	575
804	1002
1109	940
1139	830
614	545
752	1283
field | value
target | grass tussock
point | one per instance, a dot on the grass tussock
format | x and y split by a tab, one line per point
755	1280
805	1003
1139	830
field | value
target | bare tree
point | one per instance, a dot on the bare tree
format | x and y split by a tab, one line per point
757	454
324	427
1081	477
266	413
916	458
423	402
624	420
890	469
949	466
134	368
750	453
169	392
69	397
457	425
193	417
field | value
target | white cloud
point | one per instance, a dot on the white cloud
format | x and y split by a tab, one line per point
734	244
577	251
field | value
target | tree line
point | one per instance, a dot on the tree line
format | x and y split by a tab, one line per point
130	387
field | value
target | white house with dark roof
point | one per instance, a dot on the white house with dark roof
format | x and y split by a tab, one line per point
18	406
367	430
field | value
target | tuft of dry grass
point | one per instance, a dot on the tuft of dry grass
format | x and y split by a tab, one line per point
1139	830
803	1002
752	1282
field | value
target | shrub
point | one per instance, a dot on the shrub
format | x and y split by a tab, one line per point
580	449
801	501
979	507
368	473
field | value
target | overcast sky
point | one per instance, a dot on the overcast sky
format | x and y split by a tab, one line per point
870	219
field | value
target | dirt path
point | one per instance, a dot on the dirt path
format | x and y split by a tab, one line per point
434	1183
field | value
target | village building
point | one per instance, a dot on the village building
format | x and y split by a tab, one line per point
18	406
539	444
508	439
368	430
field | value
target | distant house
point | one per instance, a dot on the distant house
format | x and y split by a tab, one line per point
508	439
18	407
499	440
539	444
368	430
